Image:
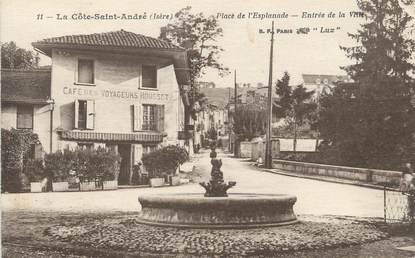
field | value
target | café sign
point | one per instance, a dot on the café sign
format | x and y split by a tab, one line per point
116	94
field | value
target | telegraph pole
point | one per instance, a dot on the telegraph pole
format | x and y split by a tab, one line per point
235	97
268	150
229	120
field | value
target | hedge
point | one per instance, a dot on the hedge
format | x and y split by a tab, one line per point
164	161
85	163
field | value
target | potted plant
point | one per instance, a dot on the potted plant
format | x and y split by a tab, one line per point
171	157
84	166
152	163
57	169
106	166
35	172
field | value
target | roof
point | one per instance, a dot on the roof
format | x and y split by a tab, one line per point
120	38
25	86
124	42
324	78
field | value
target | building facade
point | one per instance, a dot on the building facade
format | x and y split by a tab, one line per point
117	90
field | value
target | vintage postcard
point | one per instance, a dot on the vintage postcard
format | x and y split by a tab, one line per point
189	128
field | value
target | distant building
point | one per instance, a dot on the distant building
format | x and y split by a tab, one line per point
206	85
323	83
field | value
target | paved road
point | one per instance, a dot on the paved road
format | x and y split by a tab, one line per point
314	197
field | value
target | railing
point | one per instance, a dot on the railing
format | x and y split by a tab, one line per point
399	206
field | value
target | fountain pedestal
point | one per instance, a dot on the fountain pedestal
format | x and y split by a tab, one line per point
234	211
217	209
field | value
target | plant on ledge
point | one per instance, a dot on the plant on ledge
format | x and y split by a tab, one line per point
164	161
88	164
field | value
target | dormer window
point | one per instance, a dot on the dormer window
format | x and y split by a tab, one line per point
86	71
149	77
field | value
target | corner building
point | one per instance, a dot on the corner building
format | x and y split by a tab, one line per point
118	90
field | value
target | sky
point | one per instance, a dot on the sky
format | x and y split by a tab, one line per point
246	50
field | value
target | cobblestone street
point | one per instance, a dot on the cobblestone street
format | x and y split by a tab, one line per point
314	197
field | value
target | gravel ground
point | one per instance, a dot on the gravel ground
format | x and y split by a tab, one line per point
124	233
74	235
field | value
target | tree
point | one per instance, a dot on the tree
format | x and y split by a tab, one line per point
371	122
250	120
13	57
197	34
294	105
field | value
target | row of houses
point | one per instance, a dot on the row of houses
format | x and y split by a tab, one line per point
221	102
118	90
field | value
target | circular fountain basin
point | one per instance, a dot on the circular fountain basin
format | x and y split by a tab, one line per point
238	210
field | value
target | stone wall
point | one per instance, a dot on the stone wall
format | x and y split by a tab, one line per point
375	176
245	150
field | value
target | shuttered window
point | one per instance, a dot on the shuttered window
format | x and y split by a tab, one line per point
86	71
149	117
84	114
24	117
149	76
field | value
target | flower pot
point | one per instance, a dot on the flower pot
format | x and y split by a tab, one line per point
36	187
156	182
174	180
60	186
87	186
110	185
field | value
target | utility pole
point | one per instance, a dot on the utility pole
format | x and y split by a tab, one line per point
229	120
268	149
235	99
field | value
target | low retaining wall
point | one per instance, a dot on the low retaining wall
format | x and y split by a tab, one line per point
245	150
375	176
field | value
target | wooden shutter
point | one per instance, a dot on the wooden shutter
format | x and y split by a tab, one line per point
85	71
90	114
160	118
76	115
149	76
24	117
137	117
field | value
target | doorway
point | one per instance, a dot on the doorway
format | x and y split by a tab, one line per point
125	167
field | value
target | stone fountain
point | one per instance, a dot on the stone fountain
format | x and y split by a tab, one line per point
217	209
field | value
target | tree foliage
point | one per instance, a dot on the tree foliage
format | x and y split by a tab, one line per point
296	105
171	156
14	57
250	120
370	123
197	34
15	147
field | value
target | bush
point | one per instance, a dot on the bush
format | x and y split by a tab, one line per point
15	146
84	163
164	161
34	170
104	164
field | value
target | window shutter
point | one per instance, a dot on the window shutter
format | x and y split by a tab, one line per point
25	117
76	115
85	71
90	114
160	118
149	76
137	117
